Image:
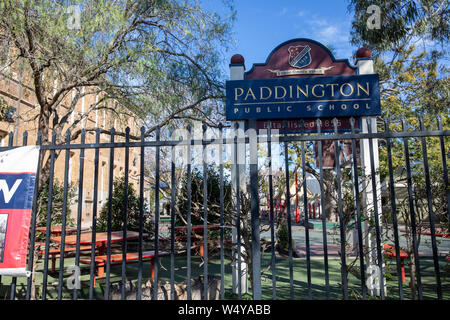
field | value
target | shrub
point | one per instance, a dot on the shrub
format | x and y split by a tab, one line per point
117	211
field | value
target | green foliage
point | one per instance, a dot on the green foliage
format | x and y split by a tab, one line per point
5	111
213	201
57	204
234	296
410	51
117	210
400	20
147	55
283	236
414	83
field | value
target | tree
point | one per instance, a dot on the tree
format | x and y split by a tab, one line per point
58	200
410	50
117	210
213	200
158	59
401	21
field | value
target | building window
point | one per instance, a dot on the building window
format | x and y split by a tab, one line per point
3	138
7	113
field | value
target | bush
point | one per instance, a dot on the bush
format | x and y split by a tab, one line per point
57	204
117	211
283	236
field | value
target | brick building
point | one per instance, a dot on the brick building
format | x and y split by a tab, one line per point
19	114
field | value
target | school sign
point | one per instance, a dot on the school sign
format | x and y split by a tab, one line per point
301	79
318	97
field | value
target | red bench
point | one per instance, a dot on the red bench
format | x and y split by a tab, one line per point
389	251
70	251
132	257
54	253
198	242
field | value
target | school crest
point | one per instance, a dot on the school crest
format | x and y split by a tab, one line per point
299	56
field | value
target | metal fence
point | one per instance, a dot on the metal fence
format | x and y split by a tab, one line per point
362	254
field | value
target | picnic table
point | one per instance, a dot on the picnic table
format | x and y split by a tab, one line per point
57	230
197	229
101	239
101	242
389	251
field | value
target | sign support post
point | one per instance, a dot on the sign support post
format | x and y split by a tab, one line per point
237	68
254	197
372	205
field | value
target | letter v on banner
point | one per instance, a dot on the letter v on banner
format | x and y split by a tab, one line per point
18	168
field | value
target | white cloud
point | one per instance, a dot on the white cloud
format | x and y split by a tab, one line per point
333	33
282	12
327	32
316	21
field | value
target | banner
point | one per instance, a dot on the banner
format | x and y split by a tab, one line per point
17	181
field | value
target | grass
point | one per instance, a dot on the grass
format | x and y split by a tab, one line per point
300	279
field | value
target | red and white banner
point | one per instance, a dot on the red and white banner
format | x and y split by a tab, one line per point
17	181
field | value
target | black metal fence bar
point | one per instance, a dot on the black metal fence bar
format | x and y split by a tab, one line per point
222	221
289	138
431	212
172	222
94	213
124	220
188	219
109	220
375	211
305	210
14	279
32	250
156	240
272	223
205	219
343	254
358	213
394	212
63	222
80	207
412	212
288	211
420	140
49	217
324	216
141	216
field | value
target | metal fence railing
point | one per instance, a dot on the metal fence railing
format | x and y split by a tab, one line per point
372	225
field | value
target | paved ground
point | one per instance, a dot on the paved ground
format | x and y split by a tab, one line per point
316	242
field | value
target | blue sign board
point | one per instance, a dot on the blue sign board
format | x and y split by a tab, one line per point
307	97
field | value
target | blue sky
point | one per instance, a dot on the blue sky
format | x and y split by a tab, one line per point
261	25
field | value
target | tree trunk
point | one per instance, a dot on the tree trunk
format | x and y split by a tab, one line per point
330	195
